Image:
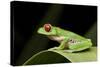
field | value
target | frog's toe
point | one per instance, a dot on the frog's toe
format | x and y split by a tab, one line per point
70	51
55	48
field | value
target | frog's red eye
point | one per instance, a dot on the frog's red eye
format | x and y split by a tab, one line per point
47	27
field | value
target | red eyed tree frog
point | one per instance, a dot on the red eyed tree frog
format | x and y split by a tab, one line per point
69	41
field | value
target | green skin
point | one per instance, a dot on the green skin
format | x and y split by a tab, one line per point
69	41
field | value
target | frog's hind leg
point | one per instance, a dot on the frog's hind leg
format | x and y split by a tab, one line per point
80	46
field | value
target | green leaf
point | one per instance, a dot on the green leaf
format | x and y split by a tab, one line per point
59	56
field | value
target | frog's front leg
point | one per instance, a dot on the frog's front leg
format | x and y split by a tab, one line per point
64	44
79	46
61	46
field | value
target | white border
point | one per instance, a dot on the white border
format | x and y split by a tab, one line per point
5	32
80	2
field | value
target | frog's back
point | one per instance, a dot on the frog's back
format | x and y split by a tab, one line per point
69	34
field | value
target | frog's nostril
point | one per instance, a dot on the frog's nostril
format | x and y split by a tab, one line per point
47	27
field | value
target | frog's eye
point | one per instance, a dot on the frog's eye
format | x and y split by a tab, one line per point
47	27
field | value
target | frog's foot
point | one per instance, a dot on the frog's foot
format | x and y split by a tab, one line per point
70	51
74	51
54	48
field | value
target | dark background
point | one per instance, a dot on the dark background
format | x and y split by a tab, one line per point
27	17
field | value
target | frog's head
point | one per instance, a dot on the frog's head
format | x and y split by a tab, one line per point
47	29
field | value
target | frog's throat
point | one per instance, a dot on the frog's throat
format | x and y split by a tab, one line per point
56	38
